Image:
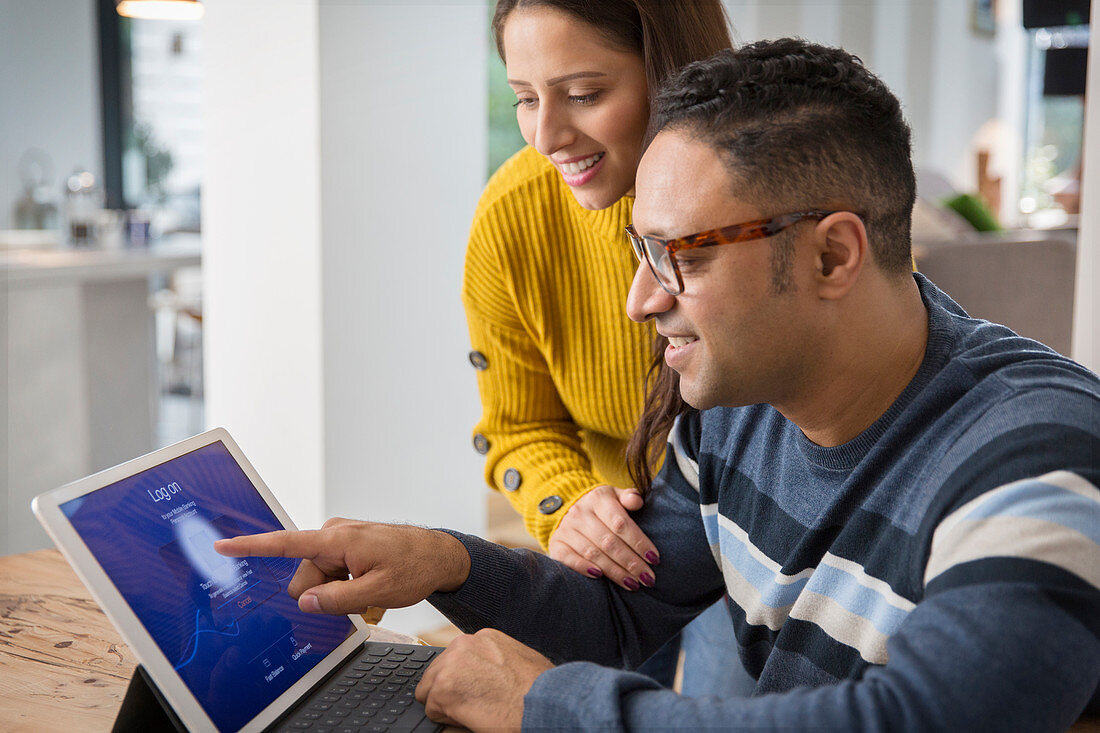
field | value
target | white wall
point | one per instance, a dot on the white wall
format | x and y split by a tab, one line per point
1086	312
945	75
345	154
49	91
262	244
403	144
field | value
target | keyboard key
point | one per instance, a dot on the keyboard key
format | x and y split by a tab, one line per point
332	722
394	710
387	719
404	673
338	690
373	704
352	676
389	665
413	665
364	686
404	701
350	704
376	680
391	688
329	698
311	715
381	651
422	655
358	695
301	724
383	672
320	706
338	713
382	696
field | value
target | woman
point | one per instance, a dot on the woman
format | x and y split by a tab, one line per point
560	368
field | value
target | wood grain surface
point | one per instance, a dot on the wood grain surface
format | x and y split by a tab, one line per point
62	664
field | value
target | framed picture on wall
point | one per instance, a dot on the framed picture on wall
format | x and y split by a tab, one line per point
984	17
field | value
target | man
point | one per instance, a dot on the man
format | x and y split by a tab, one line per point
900	502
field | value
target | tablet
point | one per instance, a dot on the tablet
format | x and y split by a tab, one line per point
225	643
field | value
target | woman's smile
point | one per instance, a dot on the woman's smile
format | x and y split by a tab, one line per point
578	172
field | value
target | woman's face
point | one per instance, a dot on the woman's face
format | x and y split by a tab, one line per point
581	102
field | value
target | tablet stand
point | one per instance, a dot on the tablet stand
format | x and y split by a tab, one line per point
145	709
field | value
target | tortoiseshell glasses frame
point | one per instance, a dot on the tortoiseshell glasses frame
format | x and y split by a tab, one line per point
660	254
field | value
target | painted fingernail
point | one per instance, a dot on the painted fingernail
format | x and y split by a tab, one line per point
647	580
653	558
631	583
595	572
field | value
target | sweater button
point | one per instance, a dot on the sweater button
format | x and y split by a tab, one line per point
481	444
550	504
479	361
512	479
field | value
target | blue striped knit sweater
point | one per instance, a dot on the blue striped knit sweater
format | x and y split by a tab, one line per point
939	572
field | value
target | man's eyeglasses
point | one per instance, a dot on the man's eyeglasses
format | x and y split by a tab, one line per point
660	254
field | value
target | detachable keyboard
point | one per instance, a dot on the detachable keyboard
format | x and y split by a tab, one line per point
371	693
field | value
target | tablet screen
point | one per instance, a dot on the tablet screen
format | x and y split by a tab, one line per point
227	625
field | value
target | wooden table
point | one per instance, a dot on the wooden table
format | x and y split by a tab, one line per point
63	667
62	664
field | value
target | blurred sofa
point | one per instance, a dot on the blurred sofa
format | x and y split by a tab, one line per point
1022	278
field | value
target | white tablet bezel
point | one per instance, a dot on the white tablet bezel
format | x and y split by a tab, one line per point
47	507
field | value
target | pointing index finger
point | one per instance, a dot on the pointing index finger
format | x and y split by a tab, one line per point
281	543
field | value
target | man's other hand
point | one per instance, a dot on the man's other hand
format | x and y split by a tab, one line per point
349	565
479	681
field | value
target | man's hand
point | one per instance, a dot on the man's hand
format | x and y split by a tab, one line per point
391	566
479	681
597	537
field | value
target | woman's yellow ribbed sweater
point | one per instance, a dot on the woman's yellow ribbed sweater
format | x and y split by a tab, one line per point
561	381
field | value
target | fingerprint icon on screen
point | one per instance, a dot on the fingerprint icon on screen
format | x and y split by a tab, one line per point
202	545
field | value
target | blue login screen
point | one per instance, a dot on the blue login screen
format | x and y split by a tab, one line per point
227	625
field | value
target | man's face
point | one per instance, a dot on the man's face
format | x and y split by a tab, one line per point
733	340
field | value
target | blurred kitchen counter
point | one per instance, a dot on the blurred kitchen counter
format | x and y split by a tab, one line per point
77	350
34	265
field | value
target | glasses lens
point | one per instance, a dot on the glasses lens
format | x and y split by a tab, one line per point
662	265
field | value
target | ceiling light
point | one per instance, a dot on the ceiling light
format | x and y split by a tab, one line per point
161	9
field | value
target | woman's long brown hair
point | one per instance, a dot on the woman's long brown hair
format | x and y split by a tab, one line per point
663	404
667	34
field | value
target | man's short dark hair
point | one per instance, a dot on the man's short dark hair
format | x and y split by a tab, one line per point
802	126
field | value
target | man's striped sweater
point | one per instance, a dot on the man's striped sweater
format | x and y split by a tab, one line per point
939	572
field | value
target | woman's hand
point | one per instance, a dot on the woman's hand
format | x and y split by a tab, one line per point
598	538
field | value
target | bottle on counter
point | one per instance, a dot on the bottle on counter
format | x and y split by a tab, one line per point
36	208
83	201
